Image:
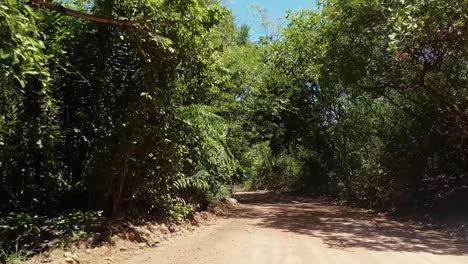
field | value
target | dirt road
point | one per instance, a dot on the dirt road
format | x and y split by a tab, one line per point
269	229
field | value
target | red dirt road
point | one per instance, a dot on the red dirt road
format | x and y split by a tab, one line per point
266	228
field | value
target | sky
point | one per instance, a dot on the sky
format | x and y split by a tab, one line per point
276	11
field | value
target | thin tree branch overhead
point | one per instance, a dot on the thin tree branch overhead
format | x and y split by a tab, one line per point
95	18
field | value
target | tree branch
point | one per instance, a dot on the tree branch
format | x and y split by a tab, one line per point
95	18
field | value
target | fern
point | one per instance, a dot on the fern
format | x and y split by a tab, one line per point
191	183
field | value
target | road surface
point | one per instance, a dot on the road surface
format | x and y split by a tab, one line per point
266	228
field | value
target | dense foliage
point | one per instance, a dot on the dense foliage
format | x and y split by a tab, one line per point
129	115
372	100
160	107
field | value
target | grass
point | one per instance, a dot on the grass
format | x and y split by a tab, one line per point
16	255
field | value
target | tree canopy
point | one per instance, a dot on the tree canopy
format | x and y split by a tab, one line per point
161	107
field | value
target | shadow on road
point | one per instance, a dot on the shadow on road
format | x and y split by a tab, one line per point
342	227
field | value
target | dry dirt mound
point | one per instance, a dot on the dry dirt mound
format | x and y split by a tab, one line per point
128	239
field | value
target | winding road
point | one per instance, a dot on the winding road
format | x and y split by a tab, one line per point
267	228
